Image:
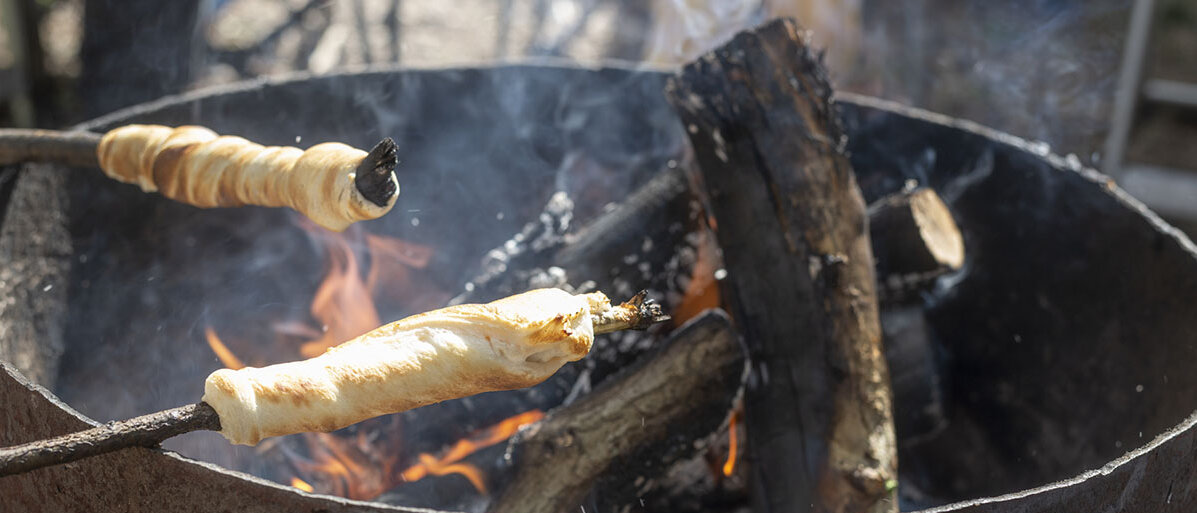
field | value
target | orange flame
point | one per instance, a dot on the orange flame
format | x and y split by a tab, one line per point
447	463
430	465
222	351
301	484
343	303
363	469
345	468
729	466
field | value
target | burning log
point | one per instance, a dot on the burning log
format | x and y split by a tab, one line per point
696	375
195	166
420	360
793	229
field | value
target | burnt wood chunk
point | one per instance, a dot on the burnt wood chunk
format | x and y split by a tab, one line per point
689	386
794	233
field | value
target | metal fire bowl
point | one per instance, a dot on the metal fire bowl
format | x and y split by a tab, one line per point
1065	347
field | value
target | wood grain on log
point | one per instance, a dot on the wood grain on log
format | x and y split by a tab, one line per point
793	228
693	379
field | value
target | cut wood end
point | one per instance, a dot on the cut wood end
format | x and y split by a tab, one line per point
938	228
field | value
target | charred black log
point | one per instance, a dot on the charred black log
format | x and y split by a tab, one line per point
794	233
687	387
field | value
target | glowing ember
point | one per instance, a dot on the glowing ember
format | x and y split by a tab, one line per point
222	351
729	466
488	437
301	484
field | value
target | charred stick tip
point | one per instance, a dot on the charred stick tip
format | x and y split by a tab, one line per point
637	313
375	176
648	312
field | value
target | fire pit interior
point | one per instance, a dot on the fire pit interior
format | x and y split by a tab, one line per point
1062	344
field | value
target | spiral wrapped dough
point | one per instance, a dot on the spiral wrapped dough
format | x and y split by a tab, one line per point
444	354
196	166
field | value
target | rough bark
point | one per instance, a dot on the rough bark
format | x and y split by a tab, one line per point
793	228
144	431
689	385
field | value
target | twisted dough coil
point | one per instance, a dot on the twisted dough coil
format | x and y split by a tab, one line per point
194	165
444	354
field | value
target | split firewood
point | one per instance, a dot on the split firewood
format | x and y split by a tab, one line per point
908	220
913	232
800	282
333	184
435	356
688	386
915	240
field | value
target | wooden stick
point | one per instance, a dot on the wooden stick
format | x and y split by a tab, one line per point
78	149
794	233
144	431
689	386
149	430
637	313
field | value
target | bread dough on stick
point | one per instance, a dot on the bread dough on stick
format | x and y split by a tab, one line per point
444	354
194	165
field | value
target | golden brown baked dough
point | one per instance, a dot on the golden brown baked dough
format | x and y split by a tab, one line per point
194	165
444	354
